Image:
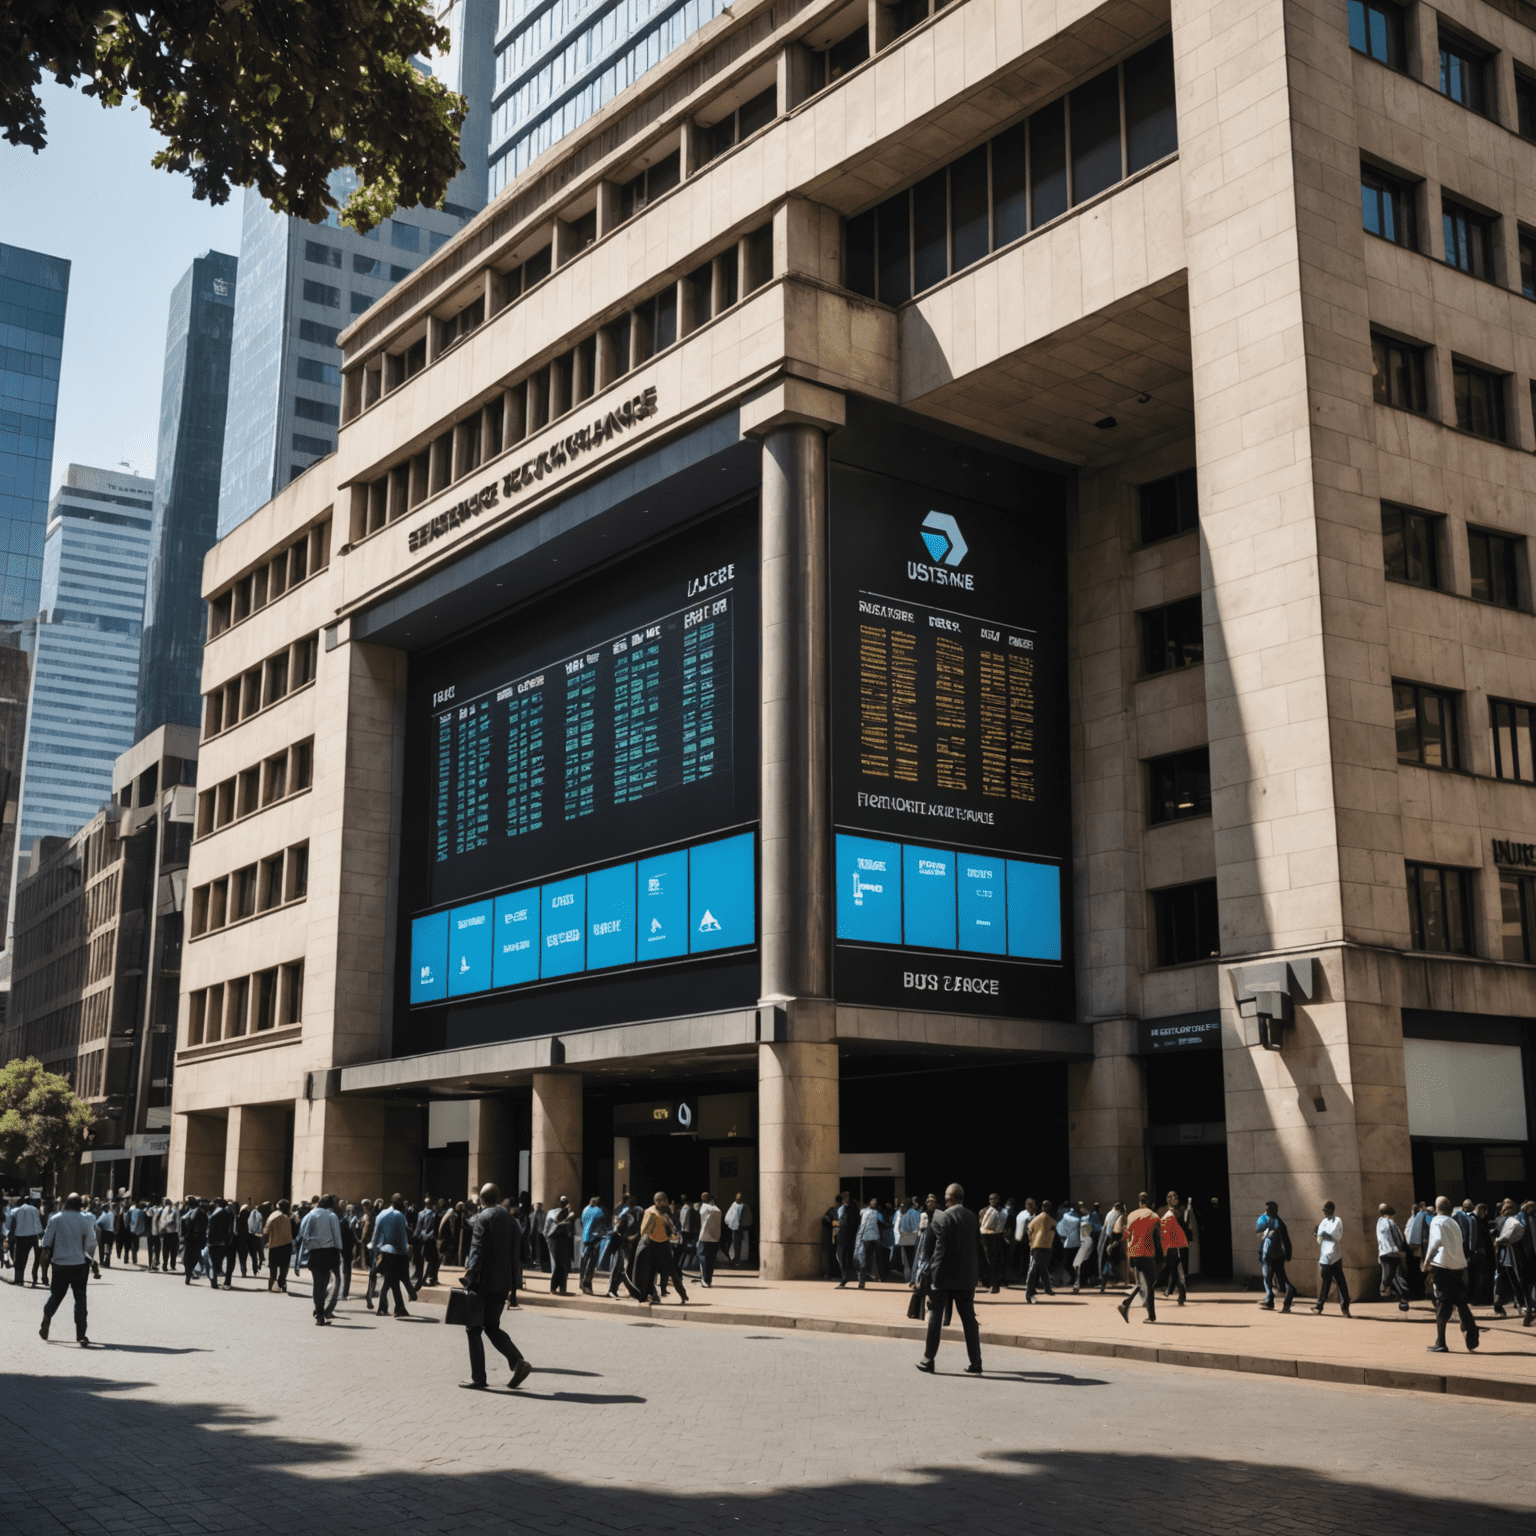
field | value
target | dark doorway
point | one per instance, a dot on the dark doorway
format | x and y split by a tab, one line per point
1199	1174
1187	1135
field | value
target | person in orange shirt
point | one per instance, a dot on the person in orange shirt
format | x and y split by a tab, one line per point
1141	1250
1175	1248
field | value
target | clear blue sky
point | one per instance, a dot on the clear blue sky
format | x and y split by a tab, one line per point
131	231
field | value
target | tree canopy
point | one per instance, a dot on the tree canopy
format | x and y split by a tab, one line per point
275	94
42	1121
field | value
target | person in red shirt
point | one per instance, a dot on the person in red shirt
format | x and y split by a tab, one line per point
1175	1248
1141	1251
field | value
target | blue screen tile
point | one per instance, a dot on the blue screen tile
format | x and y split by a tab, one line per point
928	896
868	879
983	904
469	949
516	957
611	917
662	902
1034	911
564	914
429	958
722	894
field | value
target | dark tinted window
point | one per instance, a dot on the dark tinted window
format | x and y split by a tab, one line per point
1048	163
1386	207
1479	401
1398	374
1517	916
1468	239
1168	506
1185	923
1172	637
968	208
1426	726
930	231
1495	560
895	267
1463	73
1376	29
1096	136
1180	786
1439	909
1010	201
1151	123
1408	541
1511	726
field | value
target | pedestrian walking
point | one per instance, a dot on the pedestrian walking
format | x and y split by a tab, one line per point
1087	1241
1042	1246
953	1273
106	1231
194	1237
845	1238
70	1239
1112	1245
1391	1248
1142	1240
1175	1241
392	1254
867	1241
492	1272
626	1236
688	1233
738	1222
994	1246
1514	1276
594	1232
711	1225
1446	1264
221	1244
1069	1233
320	1232
23	1226
1417	1233
425	1244
278	1235
1330	1260
907	1226
654	1260
1274	1253
560	1230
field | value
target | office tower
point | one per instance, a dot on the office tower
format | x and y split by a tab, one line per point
34	290
469	67
193	397
85	657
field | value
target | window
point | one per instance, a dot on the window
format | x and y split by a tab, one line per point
1495	560
302	765
1439	909
1527	243
360	302
1398	374
1151	125
266	998
1410	542
1184	923
1172	637
315	410
1168	506
237	995
298	873
319	373
320	446
1426	726
305	654
846	56
1464	74
1376	30
1386	207
322	293
396	274
293	993
740	124
245	892
1511	726
1525	105
1468	239
1517	915
1479	401
404	237
323	335
1181	786
368	266
642	190
322	255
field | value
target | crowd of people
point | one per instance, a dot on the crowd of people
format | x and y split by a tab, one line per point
1462	1257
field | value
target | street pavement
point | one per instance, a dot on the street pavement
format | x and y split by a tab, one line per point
201	1411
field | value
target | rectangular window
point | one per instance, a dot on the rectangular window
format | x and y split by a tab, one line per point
1464	74
1185	924
398	274
930	231
1151	120
319	373
319	446
1376	30
1048	163
316	410
1168	506
1096	136
1525	105
1409	543
1479	401
266	998
1386	207
275	778
1010	185
322	255
968	208
1439	909
322	335
1180	786
1468	239
271	889
303	765
293	993
298	873
1426	726
1517	915
237	996
1511	726
404	237
893	234
305	653
1495	560
245	892
1172	637
368	266
1398	374
360	302
248	793
322	293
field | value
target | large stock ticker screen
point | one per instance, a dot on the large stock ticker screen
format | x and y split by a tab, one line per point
950	752
582	777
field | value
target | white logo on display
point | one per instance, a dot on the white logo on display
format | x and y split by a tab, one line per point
709	923
655	925
860	885
655	885
684	1113
426	973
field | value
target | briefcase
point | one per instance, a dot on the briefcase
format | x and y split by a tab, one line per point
466	1309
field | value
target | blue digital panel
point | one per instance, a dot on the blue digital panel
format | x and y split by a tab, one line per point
1034	910
928	896
516	957
611	917
429	958
983	904
469	949
722	894
868	878
662	906
564	911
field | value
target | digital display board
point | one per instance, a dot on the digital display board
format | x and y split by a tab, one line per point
949	747
568	770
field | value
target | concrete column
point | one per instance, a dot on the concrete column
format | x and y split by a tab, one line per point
493	1145
798	1129
199	1170
339	1148
555	1163
255	1152
1105	1117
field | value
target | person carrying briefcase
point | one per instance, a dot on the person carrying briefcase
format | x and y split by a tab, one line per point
490	1273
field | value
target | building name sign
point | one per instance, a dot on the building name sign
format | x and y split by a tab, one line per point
1186	1033
545	464
1517	855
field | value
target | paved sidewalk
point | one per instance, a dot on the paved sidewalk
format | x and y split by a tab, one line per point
1220	1328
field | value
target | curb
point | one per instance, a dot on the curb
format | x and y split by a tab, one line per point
1190	1359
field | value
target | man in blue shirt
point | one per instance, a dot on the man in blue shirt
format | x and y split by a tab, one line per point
1274	1250
23	1227
320	1233
392	1249
594	1228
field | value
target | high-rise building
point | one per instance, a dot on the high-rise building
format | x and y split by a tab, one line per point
85	649
188	461
469	67
34	290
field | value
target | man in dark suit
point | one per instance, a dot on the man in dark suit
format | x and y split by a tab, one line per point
492	1271
194	1237
955	1271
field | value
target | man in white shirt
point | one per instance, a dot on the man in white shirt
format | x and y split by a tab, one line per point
711	1222
71	1239
739	1221
1446	1263
23	1227
1330	1259
1391	1247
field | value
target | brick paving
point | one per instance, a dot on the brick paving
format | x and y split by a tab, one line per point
203	1412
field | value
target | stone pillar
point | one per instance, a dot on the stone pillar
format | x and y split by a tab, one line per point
200	1168
1105	1117
555	1163
339	1148
798	1119
492	1145
256	1152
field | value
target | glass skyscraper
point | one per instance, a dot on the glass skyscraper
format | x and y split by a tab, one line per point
193	397
85	650
34	290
